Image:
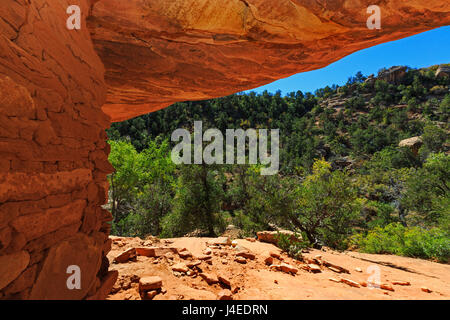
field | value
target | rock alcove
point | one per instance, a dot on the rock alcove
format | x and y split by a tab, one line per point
60	89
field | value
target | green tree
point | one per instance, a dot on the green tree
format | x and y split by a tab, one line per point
428	190
125	181
326	207
197	201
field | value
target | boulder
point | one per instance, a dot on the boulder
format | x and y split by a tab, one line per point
413	143
393	75
443	71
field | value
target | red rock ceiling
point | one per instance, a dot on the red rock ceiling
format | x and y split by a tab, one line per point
159	52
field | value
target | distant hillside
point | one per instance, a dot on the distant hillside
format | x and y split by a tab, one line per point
357	119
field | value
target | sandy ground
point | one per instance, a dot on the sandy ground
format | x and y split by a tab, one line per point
256	280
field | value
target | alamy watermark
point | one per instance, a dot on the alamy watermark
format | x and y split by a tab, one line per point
213	153
73	22
374	21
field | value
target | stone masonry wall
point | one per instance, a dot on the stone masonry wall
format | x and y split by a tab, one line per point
53	155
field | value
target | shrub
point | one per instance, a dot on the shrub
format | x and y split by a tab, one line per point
292	247
411	242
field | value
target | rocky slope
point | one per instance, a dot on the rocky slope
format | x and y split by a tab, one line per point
215	268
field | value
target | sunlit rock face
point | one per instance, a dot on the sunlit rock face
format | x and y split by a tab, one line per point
159	52
129	58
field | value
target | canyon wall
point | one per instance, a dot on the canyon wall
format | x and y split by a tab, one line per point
60	89
53	155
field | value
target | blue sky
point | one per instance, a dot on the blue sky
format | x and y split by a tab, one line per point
422	50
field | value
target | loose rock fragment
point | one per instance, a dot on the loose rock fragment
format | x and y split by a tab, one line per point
221	241
425	289
246	254
350	282
126	256
363	284
274	255
334	267
386	286
268	260
401	283
180	267
224	280
193	264
150	283
240	260
185	254
149	295
314	268
209	278
284	267
225	295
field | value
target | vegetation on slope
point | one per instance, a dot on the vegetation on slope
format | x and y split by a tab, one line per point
343	179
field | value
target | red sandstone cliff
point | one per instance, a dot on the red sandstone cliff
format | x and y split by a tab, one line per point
129	58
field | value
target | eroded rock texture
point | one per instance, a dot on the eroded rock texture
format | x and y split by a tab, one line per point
53	95
53	154
159	52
